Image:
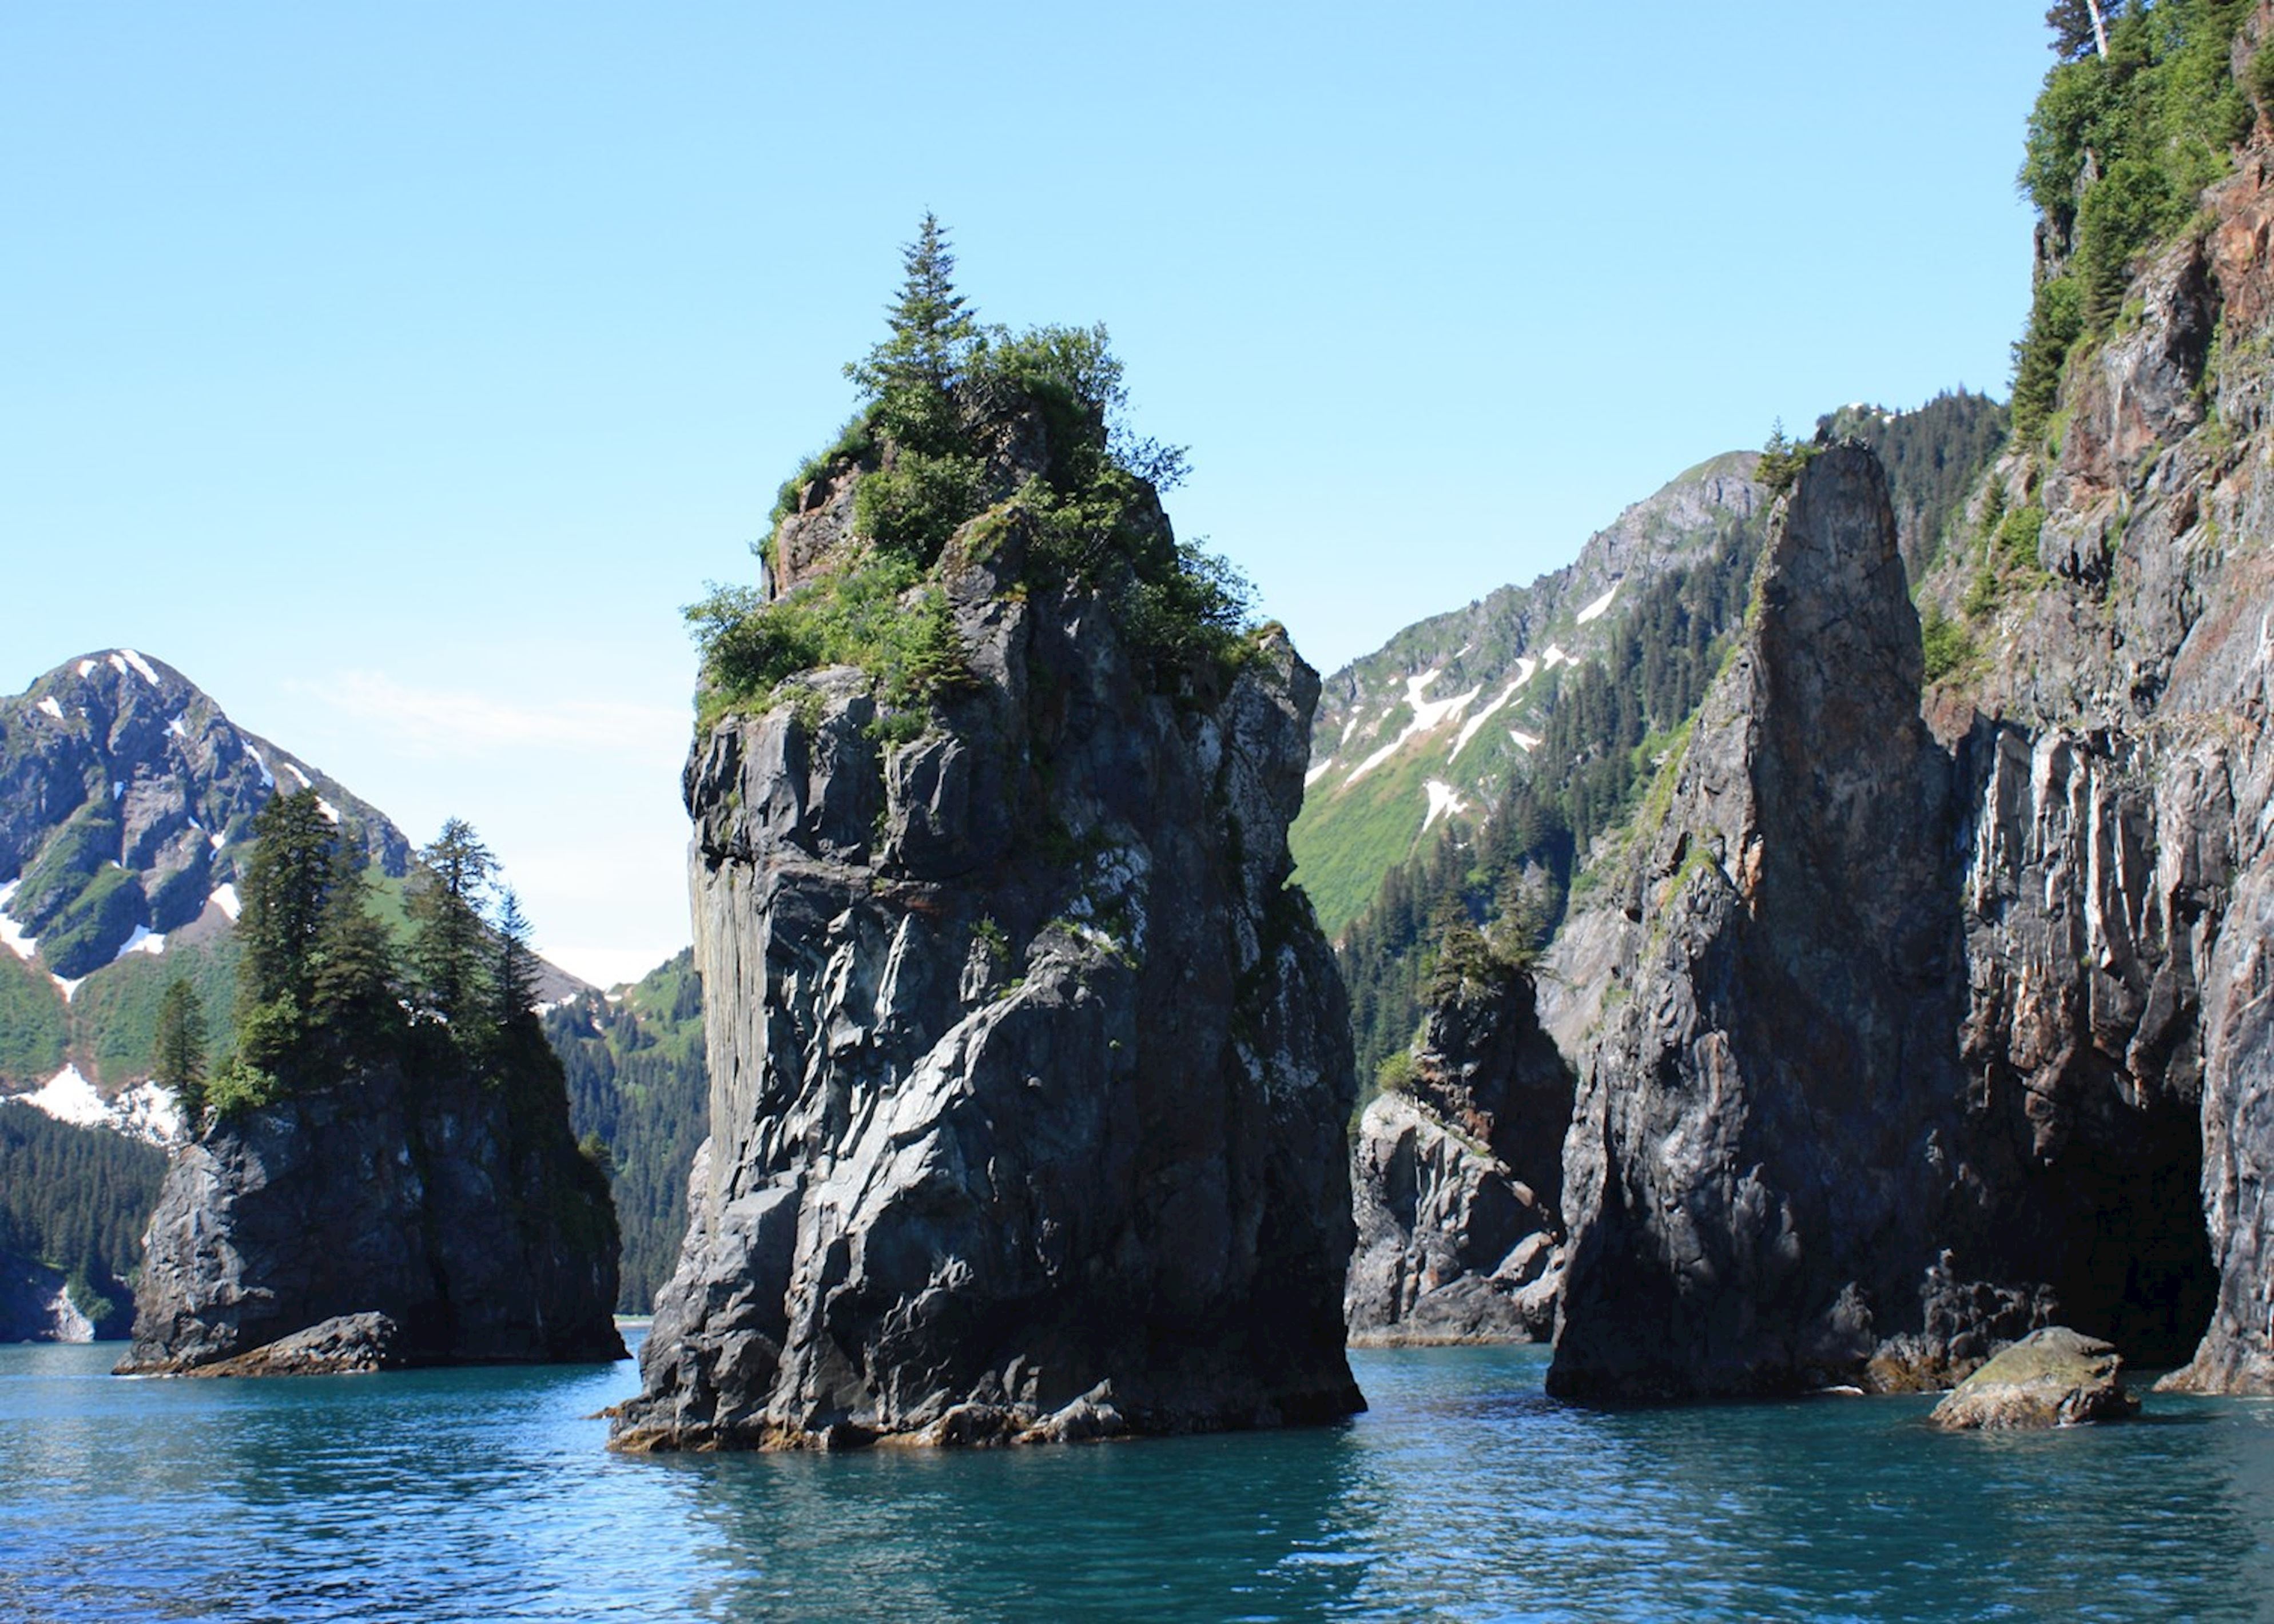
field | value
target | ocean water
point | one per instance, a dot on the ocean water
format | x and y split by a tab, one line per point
1465	1493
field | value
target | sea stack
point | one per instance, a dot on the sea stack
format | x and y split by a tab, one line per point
1457	1170
1030	1071
452	1202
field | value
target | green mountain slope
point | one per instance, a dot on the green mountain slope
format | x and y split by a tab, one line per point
638	1080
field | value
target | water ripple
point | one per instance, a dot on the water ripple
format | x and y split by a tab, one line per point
1466	1493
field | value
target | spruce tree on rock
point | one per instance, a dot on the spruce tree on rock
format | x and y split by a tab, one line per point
178	1057
285	891
912	375
516	1006
449	945
353	996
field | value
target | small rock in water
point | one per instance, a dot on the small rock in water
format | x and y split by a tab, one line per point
2055	1377
345	1345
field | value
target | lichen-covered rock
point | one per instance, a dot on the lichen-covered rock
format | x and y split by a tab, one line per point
1029	1072
456	1206
1454	1178
2054	1377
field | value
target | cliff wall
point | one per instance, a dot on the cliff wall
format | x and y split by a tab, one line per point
1029	1073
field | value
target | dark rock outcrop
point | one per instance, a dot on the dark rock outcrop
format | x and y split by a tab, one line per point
1761	1149
2051	1378
456	1206
1029	1073
1455	1177
1893	1052
349	1345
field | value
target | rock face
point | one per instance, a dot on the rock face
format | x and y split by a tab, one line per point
456	1206
2051	1378
1028	1072
1455	1177
1754	1170
1904	1049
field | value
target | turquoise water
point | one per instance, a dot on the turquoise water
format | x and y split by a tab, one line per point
1466	1493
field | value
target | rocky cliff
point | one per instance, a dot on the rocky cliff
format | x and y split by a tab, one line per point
453	1202
1900	1046
1029	1072
1456	1174
1756	1168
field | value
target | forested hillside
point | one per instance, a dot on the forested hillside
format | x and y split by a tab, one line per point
1500	882
639	1090
74	1200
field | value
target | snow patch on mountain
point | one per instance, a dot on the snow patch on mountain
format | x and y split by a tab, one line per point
140	665
1471	728
11	932
1600	606
48	703
144	1111
144	940
1444	800
224	898
1429	716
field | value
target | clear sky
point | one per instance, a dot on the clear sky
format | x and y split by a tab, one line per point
397	372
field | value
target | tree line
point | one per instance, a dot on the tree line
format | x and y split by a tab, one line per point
324	984
1503	890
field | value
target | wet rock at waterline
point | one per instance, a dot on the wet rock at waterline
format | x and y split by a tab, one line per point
2051	1378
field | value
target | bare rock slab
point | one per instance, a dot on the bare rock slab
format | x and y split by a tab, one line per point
2055	1377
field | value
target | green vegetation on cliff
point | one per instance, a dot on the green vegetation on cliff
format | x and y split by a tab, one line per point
2119	148
960	422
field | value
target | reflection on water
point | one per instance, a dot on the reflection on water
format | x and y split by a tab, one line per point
1465	1493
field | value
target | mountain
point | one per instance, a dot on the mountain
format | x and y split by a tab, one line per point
126	801
1431	727
639	1085
127	798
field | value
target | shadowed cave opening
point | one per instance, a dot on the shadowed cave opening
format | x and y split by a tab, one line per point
2138	1270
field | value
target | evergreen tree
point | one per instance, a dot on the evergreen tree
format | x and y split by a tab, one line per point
284	893
912	374
286	889
179	1061
516	966
449	945
352	992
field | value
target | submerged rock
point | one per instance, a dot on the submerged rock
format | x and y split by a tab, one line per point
1029	1072
2055	1377
455	1207
1454	1178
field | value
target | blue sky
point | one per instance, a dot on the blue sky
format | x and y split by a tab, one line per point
398	372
